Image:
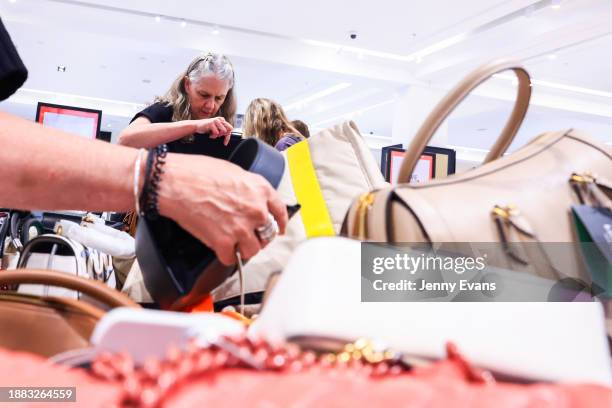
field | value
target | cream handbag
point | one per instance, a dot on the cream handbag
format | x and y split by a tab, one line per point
324	174
523	197
343	167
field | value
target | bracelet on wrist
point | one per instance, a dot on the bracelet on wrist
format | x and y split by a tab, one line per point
150	192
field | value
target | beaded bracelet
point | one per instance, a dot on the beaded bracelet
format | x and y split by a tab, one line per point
149	197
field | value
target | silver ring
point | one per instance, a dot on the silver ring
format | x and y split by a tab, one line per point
268	231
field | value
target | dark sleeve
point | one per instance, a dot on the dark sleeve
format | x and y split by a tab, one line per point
286	142
12	71
156	113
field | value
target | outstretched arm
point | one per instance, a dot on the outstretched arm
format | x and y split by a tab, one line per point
215	200
44	168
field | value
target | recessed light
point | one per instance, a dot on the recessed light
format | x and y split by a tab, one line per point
61	68
318	95
183	24
157	19
215	31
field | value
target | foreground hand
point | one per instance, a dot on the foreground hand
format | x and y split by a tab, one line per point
215	127
219	203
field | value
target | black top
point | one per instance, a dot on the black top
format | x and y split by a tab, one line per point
12	71
202	144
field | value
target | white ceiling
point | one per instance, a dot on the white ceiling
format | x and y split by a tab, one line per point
118	57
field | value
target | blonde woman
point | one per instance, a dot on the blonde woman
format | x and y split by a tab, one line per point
200	101
266	120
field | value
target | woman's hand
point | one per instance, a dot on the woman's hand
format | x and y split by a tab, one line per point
219	203
215	127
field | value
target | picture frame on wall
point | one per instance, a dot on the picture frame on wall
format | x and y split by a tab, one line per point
436	162
72	119
425	169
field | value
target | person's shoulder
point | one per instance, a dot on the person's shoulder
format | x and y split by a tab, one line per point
156	112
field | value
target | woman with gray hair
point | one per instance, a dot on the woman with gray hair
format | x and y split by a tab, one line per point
200	101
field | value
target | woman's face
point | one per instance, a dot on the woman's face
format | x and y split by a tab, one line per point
206	96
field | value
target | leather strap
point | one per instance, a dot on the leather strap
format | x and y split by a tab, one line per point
96	290
452	100
314	212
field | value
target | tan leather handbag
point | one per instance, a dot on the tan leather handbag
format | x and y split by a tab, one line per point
525	196
50	325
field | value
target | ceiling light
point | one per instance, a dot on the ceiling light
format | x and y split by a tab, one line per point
355	112
134	106
215	31
157	19
564	87
555	4
317	95
183	24
552	56
61	68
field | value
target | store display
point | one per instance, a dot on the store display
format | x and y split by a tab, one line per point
469	265
49	325
525	196
58	253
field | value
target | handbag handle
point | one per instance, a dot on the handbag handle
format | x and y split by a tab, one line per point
96	290
455	97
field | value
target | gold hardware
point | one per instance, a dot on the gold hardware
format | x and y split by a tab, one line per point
583	178
506	212
365	202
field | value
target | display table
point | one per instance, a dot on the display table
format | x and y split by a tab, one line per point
442	384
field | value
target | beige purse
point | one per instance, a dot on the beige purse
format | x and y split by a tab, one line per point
525	196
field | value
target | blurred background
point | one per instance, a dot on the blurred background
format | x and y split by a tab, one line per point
382	64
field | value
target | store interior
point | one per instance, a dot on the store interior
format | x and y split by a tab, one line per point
156	305
118	56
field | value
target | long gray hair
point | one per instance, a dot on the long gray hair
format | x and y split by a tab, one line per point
210	63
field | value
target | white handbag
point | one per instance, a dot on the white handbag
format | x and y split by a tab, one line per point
318	296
